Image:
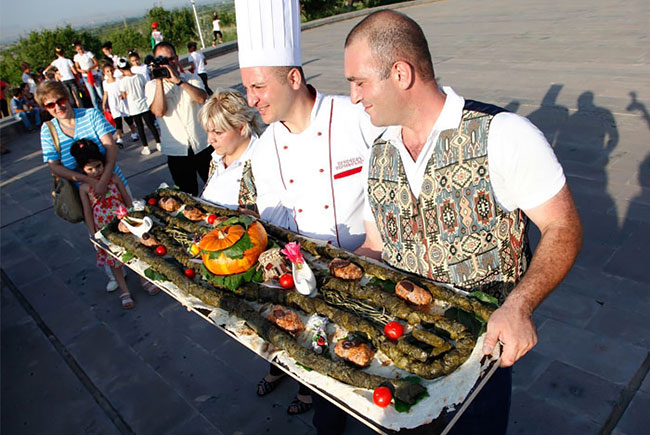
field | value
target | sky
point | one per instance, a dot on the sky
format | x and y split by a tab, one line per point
19	17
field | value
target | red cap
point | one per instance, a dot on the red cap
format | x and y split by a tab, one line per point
154	25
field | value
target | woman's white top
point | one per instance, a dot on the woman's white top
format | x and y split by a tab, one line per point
114	97
222	187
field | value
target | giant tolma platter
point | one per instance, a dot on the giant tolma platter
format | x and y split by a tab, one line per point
365	328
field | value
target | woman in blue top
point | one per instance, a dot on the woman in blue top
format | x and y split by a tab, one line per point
71	125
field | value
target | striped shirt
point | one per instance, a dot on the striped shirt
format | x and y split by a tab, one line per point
89	124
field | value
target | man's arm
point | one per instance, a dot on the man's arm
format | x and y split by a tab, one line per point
559	223
159	105
373	245
111	157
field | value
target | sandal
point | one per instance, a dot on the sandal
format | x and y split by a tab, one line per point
127	301
264	387
297	406
150	288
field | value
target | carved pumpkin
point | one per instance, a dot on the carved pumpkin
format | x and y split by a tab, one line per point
223	238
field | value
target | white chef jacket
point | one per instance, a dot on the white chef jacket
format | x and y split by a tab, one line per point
319	170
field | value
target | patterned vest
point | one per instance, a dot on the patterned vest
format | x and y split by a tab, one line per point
455	232
247	189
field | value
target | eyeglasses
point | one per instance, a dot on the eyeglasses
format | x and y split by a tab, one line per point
61	102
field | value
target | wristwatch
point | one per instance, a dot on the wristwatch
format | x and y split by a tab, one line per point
180	82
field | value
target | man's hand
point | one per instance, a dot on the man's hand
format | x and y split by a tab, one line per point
175	76
513	326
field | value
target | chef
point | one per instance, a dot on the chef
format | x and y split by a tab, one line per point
310	158
314	148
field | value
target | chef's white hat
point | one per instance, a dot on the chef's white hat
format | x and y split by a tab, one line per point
268	32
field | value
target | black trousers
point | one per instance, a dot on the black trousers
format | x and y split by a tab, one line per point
185	168
204	77
302	390
486	415
119	124
149	119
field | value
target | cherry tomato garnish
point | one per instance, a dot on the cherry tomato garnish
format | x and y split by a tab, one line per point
393	330
211	219
152	201
320	341
382	396
161	250
190	273
286	280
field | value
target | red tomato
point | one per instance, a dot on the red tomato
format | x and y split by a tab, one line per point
152	201
211	219
286	280
190	273
382	396
393	330
320	341
161	250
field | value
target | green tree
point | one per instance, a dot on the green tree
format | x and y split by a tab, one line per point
37	49
177	26
125	39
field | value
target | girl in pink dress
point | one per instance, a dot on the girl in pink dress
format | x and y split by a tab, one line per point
98	211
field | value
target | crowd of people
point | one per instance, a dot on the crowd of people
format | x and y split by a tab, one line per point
402	170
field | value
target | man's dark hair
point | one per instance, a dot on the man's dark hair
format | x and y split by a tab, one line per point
108	45
164	44
191	45
393	36
16	92
280	72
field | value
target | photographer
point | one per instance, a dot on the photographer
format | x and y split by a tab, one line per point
176	99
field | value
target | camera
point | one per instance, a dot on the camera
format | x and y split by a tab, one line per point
158	71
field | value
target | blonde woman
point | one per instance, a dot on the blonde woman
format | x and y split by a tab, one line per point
233	128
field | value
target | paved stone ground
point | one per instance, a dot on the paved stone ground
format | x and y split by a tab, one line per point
74	362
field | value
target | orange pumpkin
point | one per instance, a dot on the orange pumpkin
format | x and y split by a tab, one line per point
224	237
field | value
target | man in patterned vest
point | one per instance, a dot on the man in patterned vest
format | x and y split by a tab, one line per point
451	186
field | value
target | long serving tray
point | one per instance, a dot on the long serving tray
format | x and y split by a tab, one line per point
448	396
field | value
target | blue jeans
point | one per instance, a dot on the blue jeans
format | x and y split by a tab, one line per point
96	92
24	117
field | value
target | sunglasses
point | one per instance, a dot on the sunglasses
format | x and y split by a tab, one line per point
61	102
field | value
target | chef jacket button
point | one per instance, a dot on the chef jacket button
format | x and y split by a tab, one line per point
285	147
327	206
299	210
319	133
321	170
290	181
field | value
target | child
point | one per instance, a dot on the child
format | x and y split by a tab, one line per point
114	102
197	65
132	88
136	65
99	211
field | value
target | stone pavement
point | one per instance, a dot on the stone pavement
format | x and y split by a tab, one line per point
74	362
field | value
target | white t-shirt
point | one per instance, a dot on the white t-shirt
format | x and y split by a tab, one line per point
524	171
64	66
222	187
179	128
142	70
198	59
134	88
157	36
85	60
30	81
116	103
216	25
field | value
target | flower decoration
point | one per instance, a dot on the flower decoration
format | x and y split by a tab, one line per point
292	252
123	213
